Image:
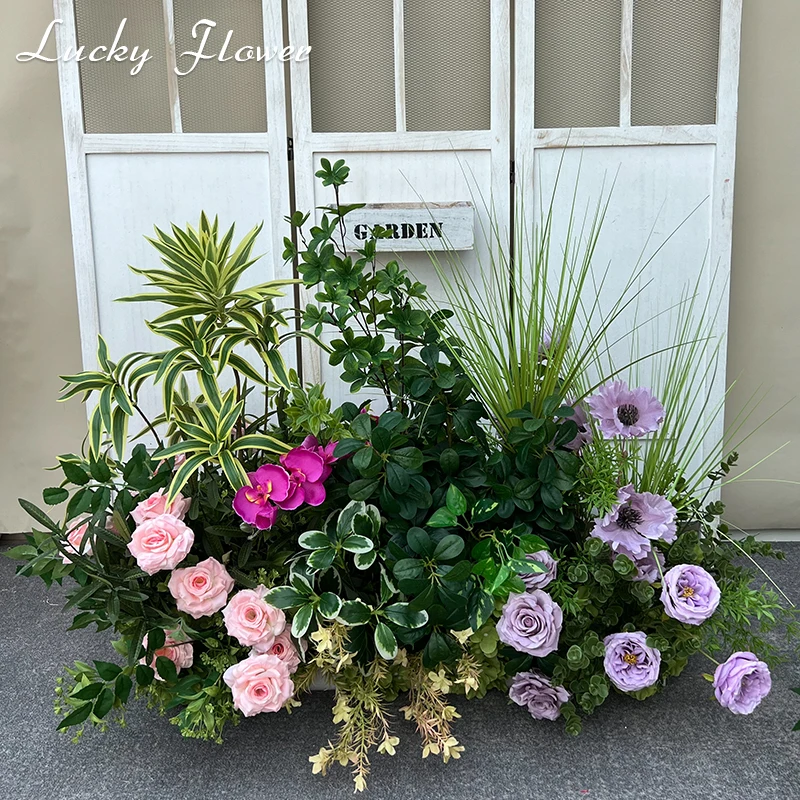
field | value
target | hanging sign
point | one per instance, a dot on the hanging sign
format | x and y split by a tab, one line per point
414	226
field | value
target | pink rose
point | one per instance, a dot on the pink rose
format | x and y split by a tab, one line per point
160	543
259	683
282	647
78	528
156	505
202	590
175	649
252	620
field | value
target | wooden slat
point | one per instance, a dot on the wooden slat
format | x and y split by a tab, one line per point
615	137
178	142
626	49
83	252
172	76
400	64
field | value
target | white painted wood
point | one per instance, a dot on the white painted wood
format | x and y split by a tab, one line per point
172	75
626	49
399	64
724	167
664	172
416	227
405	166
72	114
180	142
121	184
612	137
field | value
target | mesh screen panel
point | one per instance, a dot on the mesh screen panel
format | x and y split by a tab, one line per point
222	97
577	63
114	101
351	65
448	65
674	62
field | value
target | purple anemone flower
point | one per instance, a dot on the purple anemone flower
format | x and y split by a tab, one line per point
629	663
647	568
636	518
690	594
255	503
305	479
742	682
580	418
625	412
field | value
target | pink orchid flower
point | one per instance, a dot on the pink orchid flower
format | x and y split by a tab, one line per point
255	503
305	479
325	453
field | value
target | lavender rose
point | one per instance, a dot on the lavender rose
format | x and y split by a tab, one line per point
531	623
689	594
742	682
647	567
629	663
538	580
534	691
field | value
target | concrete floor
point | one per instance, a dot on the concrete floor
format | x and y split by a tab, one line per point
679	744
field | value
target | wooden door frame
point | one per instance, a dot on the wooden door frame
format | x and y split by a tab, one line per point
79	145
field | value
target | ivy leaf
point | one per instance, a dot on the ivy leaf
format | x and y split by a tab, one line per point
357	544
285	597
365	560
313	540
329	605
449	547
301	621
406	617
456	502
442	518
385	642
354	612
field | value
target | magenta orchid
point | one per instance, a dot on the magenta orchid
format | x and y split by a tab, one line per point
255	503
306	470
325	452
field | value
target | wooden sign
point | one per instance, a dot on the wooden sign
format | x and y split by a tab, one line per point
414	226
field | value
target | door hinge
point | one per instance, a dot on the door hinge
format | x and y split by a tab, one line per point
513	174
290	148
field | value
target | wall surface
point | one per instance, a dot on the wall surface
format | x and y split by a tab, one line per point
38	312
764	337
38	316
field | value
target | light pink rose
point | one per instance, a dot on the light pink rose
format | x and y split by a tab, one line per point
259	683
202	590
156	505
283	647
252	620
78	528
175	649
160	543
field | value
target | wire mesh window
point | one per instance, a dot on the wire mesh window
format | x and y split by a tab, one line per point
114	101
229	96
674	62
447	65
216	97
351	65
577	63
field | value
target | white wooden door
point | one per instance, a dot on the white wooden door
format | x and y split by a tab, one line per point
642	94
156	148
415	97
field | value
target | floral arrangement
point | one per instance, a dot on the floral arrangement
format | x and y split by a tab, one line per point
508	520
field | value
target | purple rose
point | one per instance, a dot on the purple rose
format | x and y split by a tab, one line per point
625	412
689	594
534	691
742	682
531	623
629	663
637	518
538	580
647	568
